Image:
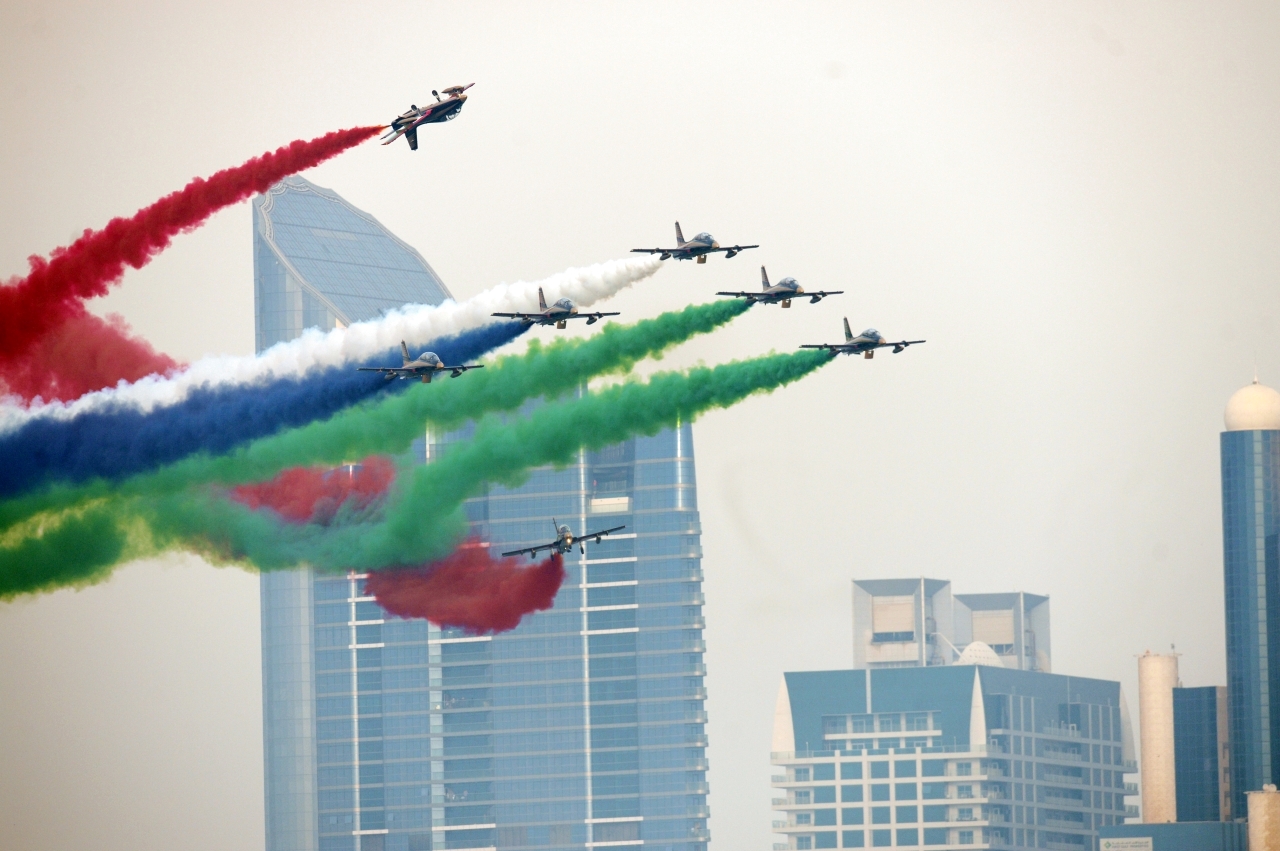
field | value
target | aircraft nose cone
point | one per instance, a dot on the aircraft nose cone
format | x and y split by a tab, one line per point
715	244
799	289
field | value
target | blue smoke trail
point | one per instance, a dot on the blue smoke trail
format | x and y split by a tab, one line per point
118	443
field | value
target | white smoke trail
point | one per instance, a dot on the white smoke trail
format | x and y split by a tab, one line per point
415	324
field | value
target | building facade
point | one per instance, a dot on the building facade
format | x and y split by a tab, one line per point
909	623
1250	449
1202	754
940	757
582	728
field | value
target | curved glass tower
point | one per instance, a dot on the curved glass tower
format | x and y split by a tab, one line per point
1250	528
582	728
317	262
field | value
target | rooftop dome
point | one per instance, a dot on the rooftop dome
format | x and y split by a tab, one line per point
1253	408
979	653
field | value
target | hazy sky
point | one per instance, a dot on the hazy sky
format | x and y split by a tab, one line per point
1075	204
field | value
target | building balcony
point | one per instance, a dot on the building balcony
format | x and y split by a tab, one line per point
779	802
1131	811
1131	788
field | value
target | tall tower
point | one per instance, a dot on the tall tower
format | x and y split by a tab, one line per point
582	728
1250	449
318	262
1157	679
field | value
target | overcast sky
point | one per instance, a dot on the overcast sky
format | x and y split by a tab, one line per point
1076	204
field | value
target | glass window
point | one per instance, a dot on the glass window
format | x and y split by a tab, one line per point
881	838
851	815
964	790
880	769
804	818
852	794
890	723
933	767
908	836
935	836
935	812
964	769
904	768
964	814
965	837
825	839
904	791
824	794
850	771
802	796
880	815
907	815
804	843
824	771
917	720
852	839
880	791
823	818
802	775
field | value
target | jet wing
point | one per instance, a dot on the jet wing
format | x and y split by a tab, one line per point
412	135
654	250
592	318
523	317
733	249
834	347
901	344
818	296
753	296
530	550
601	532
394	370
458	370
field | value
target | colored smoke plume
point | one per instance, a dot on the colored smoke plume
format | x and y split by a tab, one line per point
116	442
314	494
56	287
82	354
470	589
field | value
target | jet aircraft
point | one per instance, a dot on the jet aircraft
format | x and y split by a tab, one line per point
425	367
700	246
407	123
865	343
557	314
565	540
781	292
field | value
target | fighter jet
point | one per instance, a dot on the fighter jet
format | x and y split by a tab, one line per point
557	314
865	343
565	540
427	365
781	292
407	123
700	246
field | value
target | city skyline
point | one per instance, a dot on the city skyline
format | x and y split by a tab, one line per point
1071	203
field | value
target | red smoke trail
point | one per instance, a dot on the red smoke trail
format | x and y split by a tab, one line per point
314	495
83	354
56	287
469	589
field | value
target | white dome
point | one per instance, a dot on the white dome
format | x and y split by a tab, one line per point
1253	408
979	653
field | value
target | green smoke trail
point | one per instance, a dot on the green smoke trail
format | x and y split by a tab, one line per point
424	521
391	424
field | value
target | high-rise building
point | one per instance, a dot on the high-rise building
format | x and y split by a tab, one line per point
1250	449
1202	755
953	757
907	623
582	728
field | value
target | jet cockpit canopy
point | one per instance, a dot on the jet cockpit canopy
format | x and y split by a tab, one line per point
704	237
565	303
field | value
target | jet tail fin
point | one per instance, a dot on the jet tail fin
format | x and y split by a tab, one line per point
542	300
404	353
764	279
848	335
412	135
679	235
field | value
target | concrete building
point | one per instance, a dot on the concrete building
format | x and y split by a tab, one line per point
963	756
1202	754
1250	452
582	728
1157	678
1179	836
1264	819
903	623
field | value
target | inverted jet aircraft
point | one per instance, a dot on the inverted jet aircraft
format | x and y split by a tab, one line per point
700	246
781	292
865	343
557	314
565	540
425	367
407	123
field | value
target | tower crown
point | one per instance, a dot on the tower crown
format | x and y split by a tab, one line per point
1255	407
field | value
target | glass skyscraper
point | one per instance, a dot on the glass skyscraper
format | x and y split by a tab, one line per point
582	728
1200	746
1250	449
